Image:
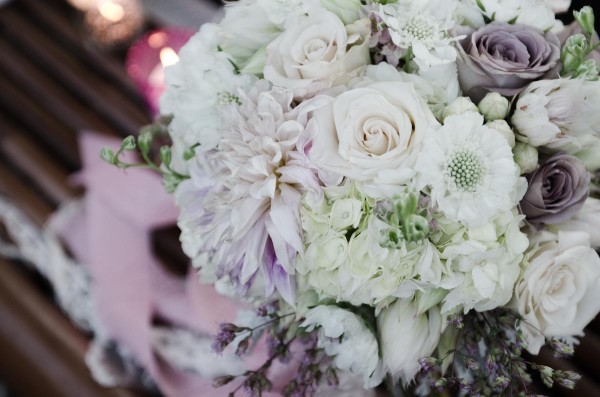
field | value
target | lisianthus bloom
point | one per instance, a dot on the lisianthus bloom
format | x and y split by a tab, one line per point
346	338
559	115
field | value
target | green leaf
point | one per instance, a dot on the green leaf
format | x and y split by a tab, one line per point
165	155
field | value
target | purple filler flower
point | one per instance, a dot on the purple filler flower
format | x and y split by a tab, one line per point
557	190
505	58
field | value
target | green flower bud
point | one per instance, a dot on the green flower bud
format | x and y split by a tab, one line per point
416	228
109	156
494	106
574	52
460	106
502	127
526	157
587	70
585	18
128	143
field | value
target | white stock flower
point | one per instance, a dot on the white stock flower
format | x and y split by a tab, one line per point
315	52
559	291
346	339
470	170
559	115
194	86
407	336
372	133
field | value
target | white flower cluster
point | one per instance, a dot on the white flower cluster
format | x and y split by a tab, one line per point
334	164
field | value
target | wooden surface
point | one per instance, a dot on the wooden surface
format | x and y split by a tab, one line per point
54	83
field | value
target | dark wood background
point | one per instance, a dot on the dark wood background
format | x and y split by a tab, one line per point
54	83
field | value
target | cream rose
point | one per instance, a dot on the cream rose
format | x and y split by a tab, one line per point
372	133
559	291
315	52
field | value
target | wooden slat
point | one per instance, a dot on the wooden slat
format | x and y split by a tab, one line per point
42	353
52	18
105	99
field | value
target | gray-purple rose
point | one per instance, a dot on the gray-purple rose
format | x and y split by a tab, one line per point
505	58
557	190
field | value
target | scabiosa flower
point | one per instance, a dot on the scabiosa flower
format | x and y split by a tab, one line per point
470	170
423	27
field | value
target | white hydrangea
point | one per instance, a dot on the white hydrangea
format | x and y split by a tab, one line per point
359	269
195	87
345	337
483	263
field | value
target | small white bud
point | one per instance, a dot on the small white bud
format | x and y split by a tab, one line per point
502	127
494	106
526	157
460	106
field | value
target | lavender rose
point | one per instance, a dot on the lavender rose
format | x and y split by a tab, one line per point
505	58
557	190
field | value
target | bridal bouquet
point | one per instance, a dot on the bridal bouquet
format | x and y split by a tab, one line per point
403	192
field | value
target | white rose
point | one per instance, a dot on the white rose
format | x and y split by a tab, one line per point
315	52
372	133
346	338
536	13
345	213
559	6
406	336
559	291
586	220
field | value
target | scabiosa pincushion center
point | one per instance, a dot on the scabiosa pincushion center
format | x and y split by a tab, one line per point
465	170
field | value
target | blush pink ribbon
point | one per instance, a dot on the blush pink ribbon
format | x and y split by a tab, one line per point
131	288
